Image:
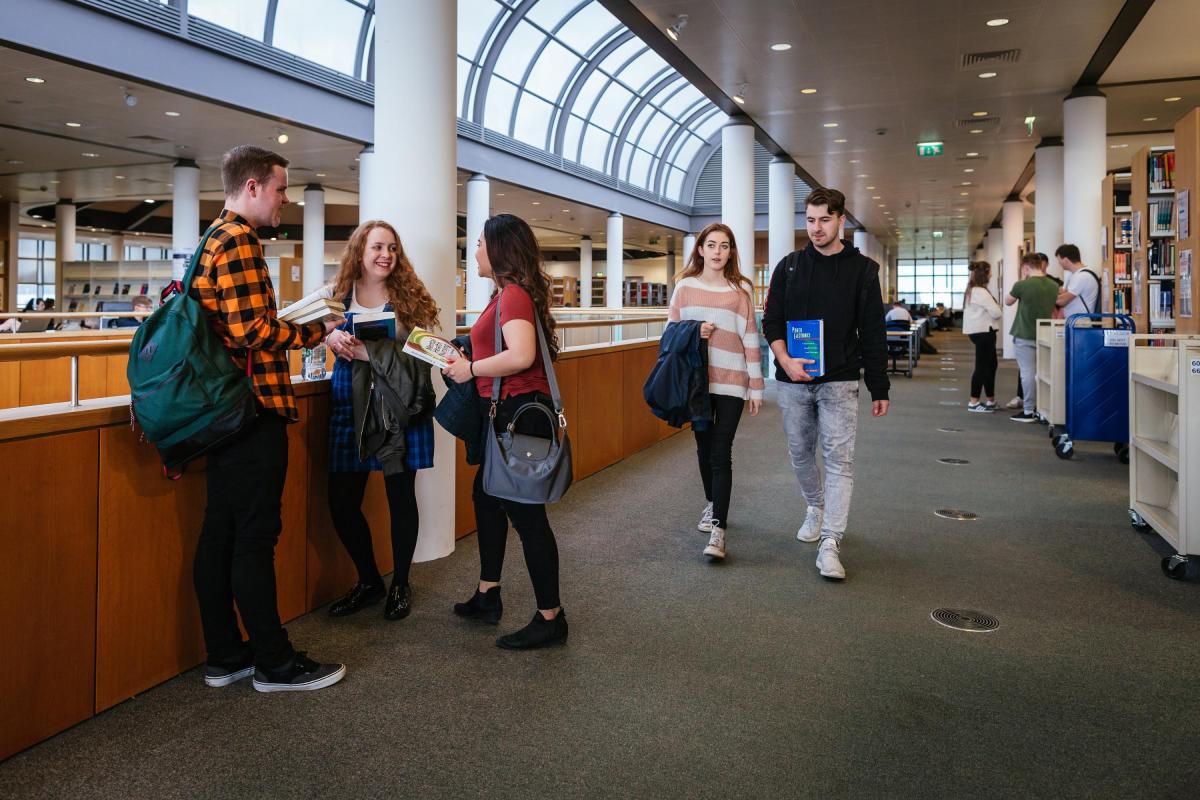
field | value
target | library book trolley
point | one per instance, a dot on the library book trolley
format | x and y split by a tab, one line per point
1050	375
1164	427
1095	389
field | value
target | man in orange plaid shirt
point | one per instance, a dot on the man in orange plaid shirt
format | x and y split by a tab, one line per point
235	556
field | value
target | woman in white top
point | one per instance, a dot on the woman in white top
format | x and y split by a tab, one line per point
981	312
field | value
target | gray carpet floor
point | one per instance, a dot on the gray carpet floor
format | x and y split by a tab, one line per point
751	678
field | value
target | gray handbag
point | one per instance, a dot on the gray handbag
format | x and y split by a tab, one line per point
521	467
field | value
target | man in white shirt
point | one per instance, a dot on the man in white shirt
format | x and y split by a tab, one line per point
1081	289
898	313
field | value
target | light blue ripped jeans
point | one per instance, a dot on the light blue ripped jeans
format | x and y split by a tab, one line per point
830	411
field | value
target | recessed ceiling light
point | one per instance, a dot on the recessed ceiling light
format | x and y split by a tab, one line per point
282	138
499	194
840	141
320	174
972	155
148	200
1149	119
831	124
33	79
55	181
968	169
1117	146
862	176
966	183
74	124
976	130
90	155
997	22
119	177
987	74
741	101
781	47
964	194
979	113
536	203
171	113
566	211
877	197
854	161
808	91
870	188
1172	99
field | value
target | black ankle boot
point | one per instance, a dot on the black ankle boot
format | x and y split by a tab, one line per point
399	602
358	598
484	606
540	632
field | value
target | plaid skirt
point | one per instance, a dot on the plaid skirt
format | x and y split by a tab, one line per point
343	449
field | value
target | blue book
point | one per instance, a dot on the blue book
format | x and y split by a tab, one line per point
806	339
370	327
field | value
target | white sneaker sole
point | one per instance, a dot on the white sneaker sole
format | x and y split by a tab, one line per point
713	552
311	686
704	528
837	576
225	680
808	539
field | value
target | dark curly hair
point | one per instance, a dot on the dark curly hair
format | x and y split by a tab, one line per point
516	259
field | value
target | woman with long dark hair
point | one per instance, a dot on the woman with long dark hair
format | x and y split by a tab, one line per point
509	254
981	313
712	289
375	276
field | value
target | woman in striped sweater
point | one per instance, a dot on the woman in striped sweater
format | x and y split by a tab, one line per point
712	289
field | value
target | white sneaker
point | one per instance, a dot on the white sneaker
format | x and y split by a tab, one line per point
1016	402
716	543
705	523
829	562
810	531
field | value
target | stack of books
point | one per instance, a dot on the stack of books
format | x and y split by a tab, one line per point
315	311
1162	171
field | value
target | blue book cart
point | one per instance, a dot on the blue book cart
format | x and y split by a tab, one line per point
1097	378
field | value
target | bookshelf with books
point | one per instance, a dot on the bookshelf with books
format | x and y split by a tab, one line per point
1153	253
564	292
1187	237
1117	242
87	284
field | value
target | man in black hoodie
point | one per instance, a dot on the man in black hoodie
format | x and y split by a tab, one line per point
829	280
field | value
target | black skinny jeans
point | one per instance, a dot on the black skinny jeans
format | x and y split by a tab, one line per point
492	516
346	490
235	555
714	451
984	377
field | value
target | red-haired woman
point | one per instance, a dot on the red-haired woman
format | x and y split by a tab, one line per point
374	276
509	254
712	289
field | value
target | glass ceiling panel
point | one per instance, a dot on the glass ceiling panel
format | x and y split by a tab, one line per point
677	103
324	31
521	45
474	19
586	28
247	17
610	105
554	65
642	69
547	13
617	58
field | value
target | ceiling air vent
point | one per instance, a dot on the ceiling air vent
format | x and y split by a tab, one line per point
976	122
990	57
145	137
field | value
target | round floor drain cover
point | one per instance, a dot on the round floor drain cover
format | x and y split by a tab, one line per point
949	389
949	369
954	513
961	619
947	379
949	403
950	430
953	461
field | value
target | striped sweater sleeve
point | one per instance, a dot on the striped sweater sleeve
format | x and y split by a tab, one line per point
750	341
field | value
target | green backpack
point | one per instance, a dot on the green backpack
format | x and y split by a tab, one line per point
185	391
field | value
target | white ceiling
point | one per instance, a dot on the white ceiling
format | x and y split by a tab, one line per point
1163	46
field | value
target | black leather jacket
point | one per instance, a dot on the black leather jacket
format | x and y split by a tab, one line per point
392	390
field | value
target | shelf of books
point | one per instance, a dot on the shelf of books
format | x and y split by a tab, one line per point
1153	253
1187	238
564	292
100	285
1117	242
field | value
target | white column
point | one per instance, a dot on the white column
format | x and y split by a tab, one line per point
1084	162
995	256
185	214
479	208
370	185
860	241
116	247
585	272
781	211
737	189
313	249
614	270
414	68
689	244
1048	210
64	245
980	254
1013	219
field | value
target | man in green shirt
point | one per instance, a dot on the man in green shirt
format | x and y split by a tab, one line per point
1037	294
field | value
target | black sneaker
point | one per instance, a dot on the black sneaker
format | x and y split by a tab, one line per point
223	673
1023	417
540	632
300	674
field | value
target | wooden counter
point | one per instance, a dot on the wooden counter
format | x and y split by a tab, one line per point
31	383
96	598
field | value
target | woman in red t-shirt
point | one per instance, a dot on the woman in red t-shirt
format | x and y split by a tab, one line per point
509	254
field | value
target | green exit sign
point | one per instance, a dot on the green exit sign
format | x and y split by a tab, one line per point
929	149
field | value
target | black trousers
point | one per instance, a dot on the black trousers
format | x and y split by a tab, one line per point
346	490
235	556
984	377
714	451
492	516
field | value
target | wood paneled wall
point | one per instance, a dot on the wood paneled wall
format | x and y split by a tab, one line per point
31	383
114	611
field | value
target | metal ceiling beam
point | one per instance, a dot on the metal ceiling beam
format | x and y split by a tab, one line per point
1128	18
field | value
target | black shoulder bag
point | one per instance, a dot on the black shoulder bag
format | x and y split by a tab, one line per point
521	467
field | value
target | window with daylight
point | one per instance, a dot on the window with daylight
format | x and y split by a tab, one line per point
35	270
929	281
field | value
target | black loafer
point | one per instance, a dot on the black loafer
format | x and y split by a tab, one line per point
484	606
399	602
540	632
358	598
